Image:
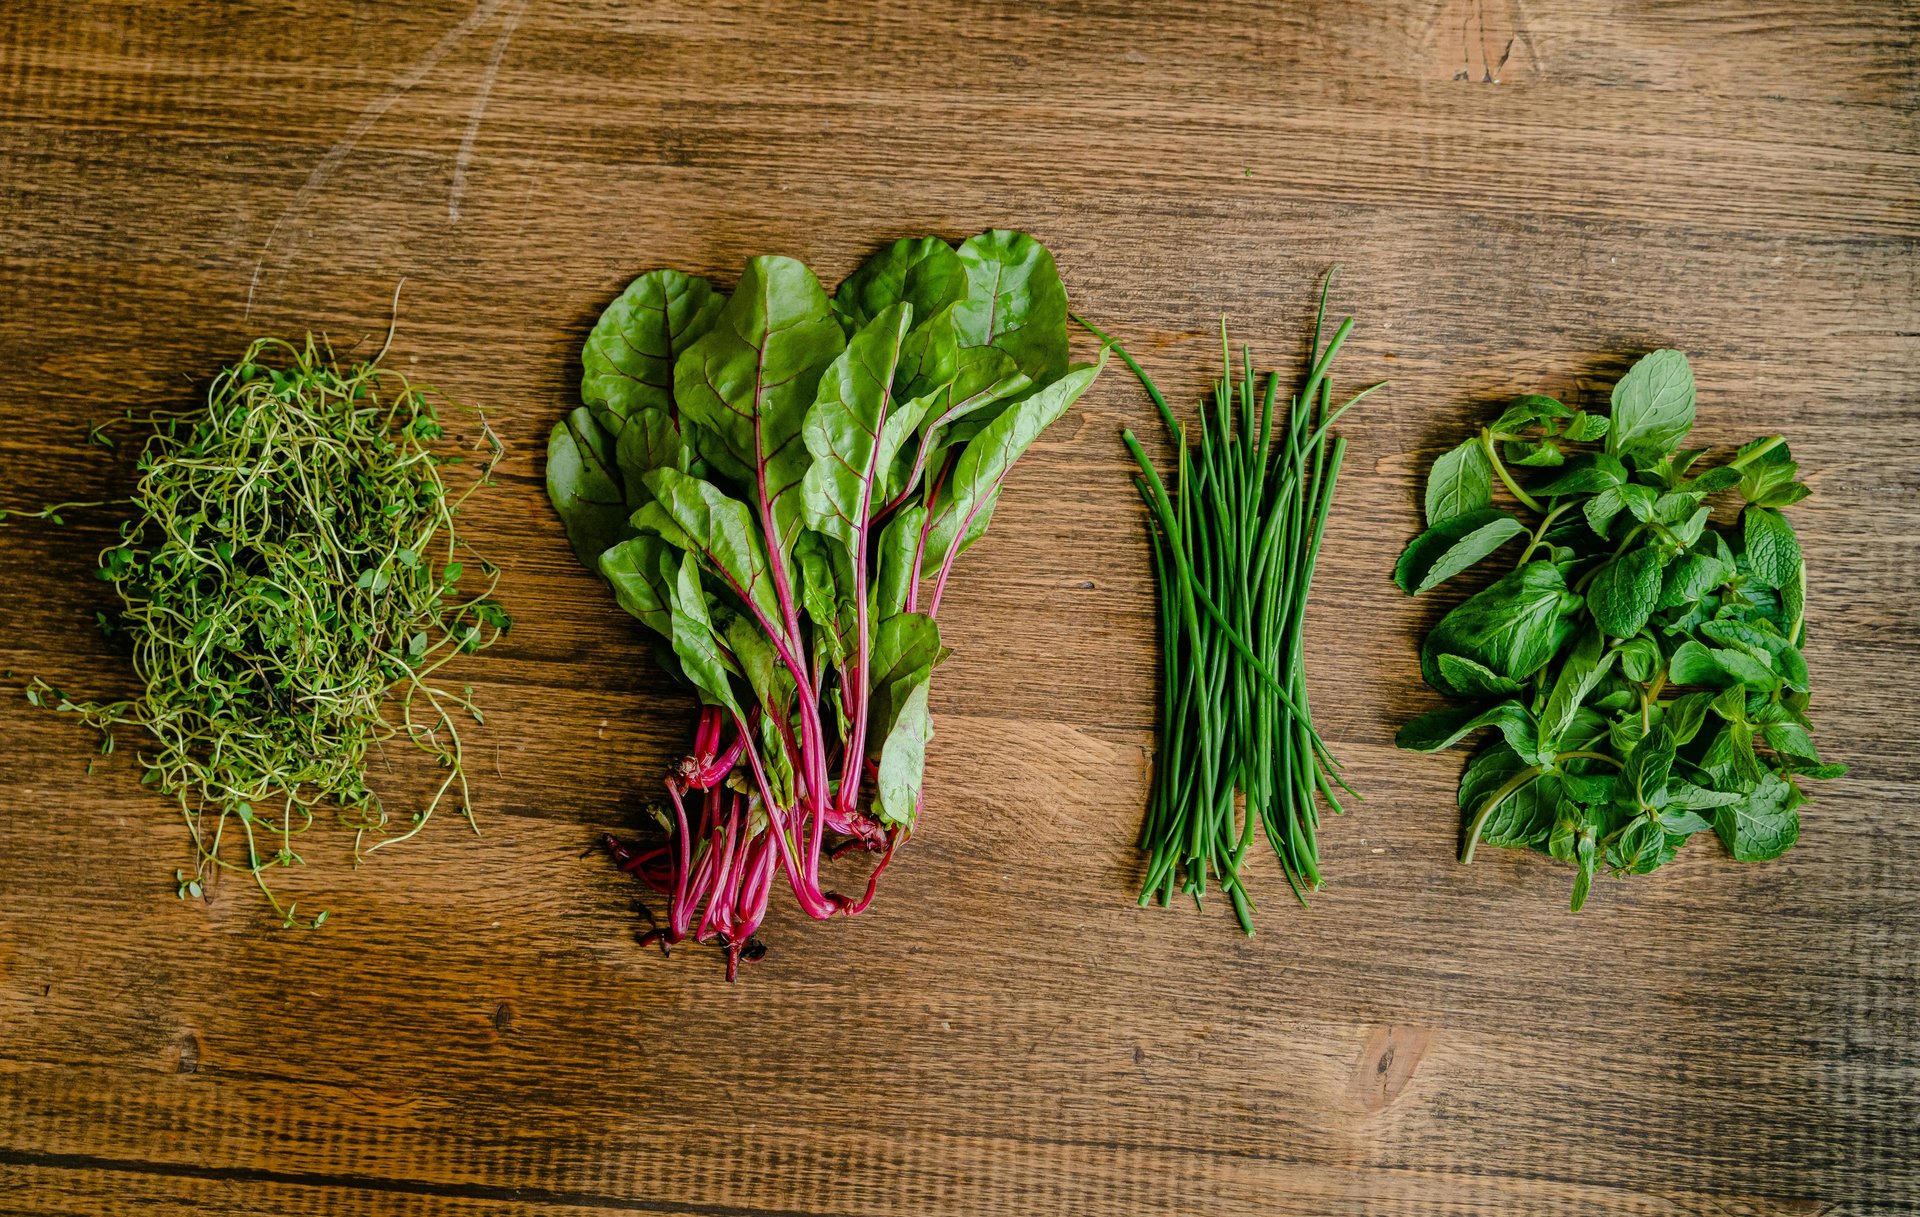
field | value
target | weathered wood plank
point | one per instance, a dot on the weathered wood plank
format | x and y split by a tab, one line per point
1523	194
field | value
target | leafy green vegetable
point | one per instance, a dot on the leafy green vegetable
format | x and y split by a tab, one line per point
1461	483
769	481
1652	406
1641	665
1452	546
1014	302
1510	629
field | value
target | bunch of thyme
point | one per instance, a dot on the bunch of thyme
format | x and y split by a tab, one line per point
291	589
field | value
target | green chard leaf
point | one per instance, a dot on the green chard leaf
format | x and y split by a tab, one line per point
825	579
846	431
760	663
649	440
643	571
750	380
985	381
1015	301
716	527
903	754
629	357
906	649
893	576
1452	546
583	483
923	272
703	658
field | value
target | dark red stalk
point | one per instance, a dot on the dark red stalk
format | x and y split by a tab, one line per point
873	880
679	915
920	550
718	917
756	887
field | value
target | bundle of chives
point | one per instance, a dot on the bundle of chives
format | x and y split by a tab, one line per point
1234	546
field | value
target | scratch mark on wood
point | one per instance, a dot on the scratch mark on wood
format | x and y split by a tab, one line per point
1478	48
482	12
480	109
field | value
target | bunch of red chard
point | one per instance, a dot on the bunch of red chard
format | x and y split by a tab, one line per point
778	483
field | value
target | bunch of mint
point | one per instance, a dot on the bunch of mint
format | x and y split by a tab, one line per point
1639	662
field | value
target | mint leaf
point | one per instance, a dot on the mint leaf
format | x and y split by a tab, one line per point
1524	817
1686	715
1764	824
1764	644
1773	552
1622	596
1648	764
1448	725
1601	509
1511	628
1526	410
1588	473
1585	665
1678	818
1461	482
1641	501
1467	678
1584	427
1652	405
1542	452
1690	577
1452	546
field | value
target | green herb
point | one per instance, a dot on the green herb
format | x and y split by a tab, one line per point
1234	545
1640	663
282	609
779	483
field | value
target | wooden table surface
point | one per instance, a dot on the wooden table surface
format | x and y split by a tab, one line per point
1524	194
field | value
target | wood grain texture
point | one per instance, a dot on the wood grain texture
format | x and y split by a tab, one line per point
1524	194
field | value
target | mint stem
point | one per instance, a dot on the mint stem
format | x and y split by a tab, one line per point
1499	467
